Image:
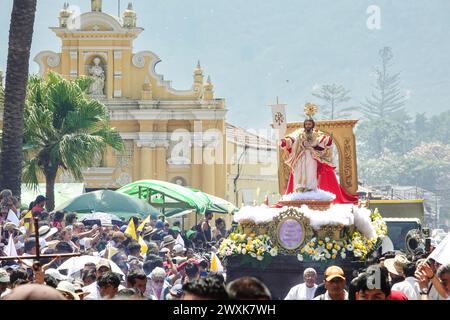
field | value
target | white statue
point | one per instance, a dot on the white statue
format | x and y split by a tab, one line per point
97	72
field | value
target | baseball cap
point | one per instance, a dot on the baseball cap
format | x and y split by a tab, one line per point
334	272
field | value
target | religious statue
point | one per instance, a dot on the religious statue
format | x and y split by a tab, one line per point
310	160
97	72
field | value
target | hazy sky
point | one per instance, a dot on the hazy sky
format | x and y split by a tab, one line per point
257	50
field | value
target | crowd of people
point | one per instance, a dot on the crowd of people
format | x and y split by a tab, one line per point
395	277
163	262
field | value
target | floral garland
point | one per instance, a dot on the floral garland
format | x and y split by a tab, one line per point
255	246
315	249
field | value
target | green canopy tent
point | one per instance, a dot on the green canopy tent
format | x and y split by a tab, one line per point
120	204
166	195
217	205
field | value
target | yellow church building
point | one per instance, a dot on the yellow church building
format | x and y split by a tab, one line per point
179	136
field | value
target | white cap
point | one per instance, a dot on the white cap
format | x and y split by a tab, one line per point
178	248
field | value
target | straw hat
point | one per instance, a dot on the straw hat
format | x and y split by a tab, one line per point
46	232
167	241
395	265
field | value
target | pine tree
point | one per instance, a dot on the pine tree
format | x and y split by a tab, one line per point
333	96
387	98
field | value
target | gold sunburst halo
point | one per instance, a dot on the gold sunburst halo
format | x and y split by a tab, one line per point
310	109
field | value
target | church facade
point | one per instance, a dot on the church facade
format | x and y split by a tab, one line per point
180	136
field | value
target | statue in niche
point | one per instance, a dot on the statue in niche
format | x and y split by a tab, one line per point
97	72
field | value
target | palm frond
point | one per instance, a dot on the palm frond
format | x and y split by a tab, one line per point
31	172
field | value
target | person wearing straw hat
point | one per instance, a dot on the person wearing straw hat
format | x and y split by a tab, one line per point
395	267
168	242
409	286
46	231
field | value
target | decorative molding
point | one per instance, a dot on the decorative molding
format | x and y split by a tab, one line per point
89	18
97	178
162	144
161	114
117	54
138	60
89	54
53	60
347	163
98	170
39	59
73	55
145	144
117	73
325	124
96	47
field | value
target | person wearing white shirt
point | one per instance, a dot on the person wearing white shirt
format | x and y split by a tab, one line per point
409	286
306	290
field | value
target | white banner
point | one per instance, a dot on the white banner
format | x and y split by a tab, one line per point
442	252
12	217
279	119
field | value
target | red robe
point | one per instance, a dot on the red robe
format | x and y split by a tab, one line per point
327	181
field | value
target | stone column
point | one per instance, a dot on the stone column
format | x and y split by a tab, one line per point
147	160
161	160
208	175
196	164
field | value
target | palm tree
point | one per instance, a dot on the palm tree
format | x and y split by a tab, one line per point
64	129
20	36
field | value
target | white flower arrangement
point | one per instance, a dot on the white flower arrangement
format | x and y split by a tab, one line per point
357	245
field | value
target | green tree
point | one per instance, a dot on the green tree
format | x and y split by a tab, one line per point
387	97
377	136
333	96
20	37
439	129
64	129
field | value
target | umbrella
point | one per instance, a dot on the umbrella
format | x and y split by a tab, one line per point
101	218
174	195
120	204
75	264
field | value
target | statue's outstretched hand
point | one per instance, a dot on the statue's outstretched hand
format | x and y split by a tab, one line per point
285	143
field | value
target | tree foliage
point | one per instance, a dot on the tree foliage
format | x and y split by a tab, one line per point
387	97
333	96
64	130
